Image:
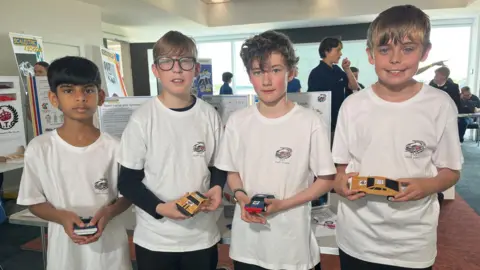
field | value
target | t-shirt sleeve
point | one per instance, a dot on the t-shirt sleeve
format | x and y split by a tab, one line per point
133	149
225	159
448	153
31	189
321	162
340	150
218	134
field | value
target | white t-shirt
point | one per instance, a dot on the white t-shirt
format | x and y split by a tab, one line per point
175	150
408	139
279	157
81	180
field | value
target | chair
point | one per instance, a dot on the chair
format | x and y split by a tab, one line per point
476	127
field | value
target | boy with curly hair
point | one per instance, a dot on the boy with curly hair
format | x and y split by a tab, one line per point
274	148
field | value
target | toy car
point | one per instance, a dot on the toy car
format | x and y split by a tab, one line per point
376	185
87	230
257	203
190	204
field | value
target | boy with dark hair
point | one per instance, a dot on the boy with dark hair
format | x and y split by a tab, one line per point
168	149
327	76
356	72
443	82
403	130
227	79
71	172
274	148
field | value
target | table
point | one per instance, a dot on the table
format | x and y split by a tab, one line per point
5	167
327	244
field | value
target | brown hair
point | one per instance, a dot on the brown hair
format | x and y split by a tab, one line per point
260	47
445	71
396	23
174	43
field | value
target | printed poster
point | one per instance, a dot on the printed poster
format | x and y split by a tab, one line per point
113	76
45	117
227	104
115	113
203	84
12	126
28	50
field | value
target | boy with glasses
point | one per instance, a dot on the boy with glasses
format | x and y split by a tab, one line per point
167	150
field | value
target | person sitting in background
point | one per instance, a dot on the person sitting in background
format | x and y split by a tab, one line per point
294	85
468	103
227	79
41	68
442	82
355	72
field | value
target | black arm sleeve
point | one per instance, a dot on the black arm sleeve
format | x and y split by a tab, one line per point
132	188
217	177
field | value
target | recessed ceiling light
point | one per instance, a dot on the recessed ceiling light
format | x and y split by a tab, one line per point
215	1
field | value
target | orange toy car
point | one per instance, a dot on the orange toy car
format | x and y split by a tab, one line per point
190	204
376	185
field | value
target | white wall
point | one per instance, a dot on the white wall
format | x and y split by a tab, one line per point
65	22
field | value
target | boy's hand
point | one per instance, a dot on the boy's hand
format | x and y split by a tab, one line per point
274	206
247	217
68	220
214	196
345	63
415	189
170	210
341	187
100	219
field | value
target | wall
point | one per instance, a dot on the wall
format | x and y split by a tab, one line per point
64	22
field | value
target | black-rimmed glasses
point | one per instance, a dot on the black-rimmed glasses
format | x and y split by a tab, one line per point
185	63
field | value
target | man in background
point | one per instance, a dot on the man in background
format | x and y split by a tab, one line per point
443	82
468	103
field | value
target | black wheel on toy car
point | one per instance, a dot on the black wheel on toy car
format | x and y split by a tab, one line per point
390	198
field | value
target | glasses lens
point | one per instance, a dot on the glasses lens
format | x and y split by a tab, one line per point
187	63
165	63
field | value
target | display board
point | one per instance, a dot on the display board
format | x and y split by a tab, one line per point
113	76
45	117
115	113
227	104
12	125
28	50
203	84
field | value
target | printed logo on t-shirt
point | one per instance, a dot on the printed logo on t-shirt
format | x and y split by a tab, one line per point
414	148
199	149
101	186
322	98
283	154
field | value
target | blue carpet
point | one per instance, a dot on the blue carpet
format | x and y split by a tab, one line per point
469	185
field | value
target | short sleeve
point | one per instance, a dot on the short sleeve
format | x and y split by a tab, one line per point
218	135
31	189
225	160
321	162
448	153
340	150
133	148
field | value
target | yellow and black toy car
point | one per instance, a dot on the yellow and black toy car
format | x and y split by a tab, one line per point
376	185
190	204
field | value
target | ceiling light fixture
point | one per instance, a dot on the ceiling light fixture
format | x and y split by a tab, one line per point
215	1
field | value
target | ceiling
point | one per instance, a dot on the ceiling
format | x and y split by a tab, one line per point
146	20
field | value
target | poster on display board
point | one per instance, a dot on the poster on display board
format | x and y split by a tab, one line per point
12	126
28	50
115	113
45	117
227	104
203	84
113	75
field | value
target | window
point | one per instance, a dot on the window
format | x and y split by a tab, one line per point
221	55
240	77
450	43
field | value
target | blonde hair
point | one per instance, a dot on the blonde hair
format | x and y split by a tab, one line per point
397	23
174	43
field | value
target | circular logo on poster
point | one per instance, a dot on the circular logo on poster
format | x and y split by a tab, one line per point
8	117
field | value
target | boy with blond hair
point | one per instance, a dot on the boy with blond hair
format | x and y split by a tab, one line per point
400	129
167	150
